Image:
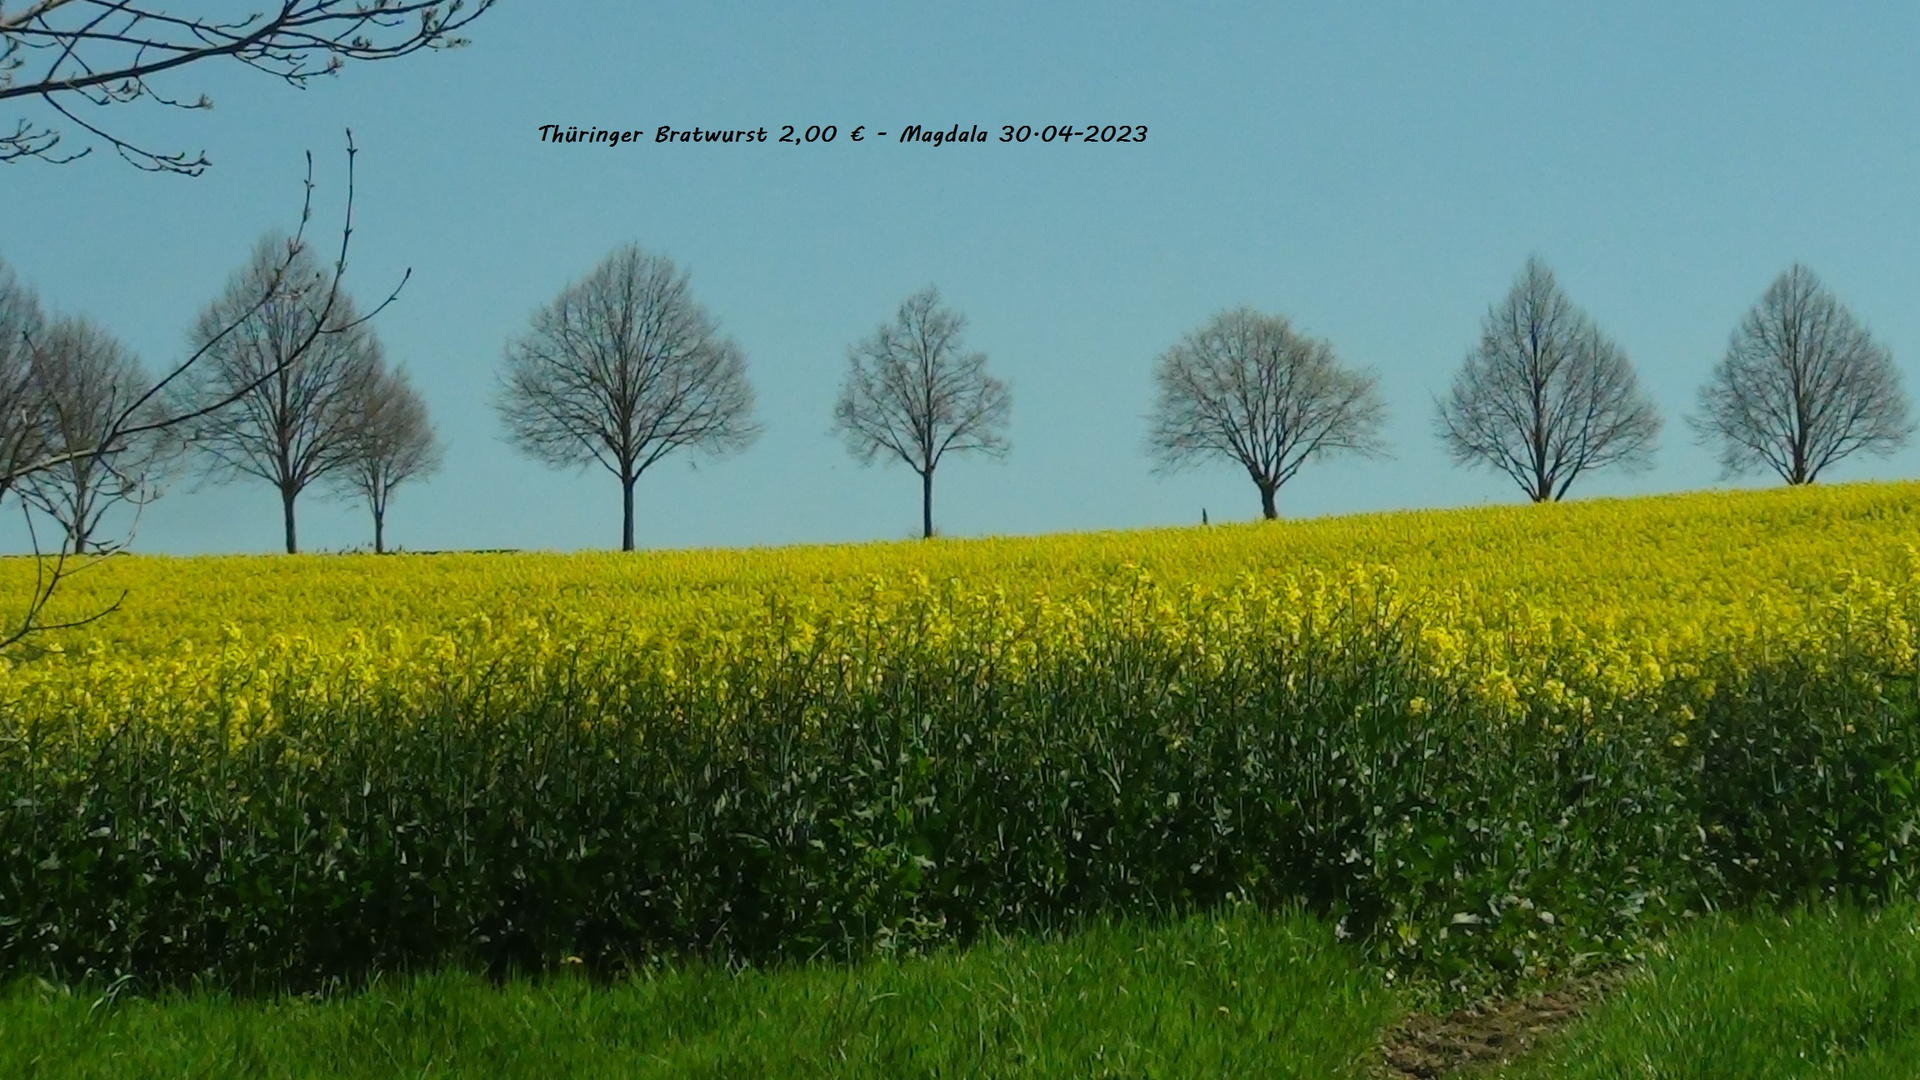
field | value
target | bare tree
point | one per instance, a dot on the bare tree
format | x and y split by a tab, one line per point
393	442
83	380
292	367
21	321
1546	396
1250	388
1802	385
624	368
73	58
913	392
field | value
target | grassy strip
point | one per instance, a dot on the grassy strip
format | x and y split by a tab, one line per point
1831	993
1235	995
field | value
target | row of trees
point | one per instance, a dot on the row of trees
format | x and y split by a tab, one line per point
625	368
290	386
283	381
1546	397
77	434
315	400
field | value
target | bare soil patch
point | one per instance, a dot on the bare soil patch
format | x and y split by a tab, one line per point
1490	1032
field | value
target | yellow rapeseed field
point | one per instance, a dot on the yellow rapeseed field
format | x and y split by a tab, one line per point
1566	610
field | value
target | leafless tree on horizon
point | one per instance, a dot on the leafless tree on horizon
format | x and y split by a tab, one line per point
393	442
21	324
1249	388
623	368
915	393
1802	385
1545	396
83	378
295	426
76	57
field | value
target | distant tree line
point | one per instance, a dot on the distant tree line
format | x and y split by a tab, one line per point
286	382
82	427
274	395
624	368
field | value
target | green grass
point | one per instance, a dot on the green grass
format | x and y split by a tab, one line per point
1830	993
1238	995
1827	993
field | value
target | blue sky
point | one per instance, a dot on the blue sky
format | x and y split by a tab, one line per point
1377	173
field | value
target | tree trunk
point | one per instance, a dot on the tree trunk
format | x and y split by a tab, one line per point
286	506
82	512
626	512
379	533
926	505
1267	509
1799	475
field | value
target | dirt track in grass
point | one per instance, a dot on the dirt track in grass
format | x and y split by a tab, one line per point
1488	1033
